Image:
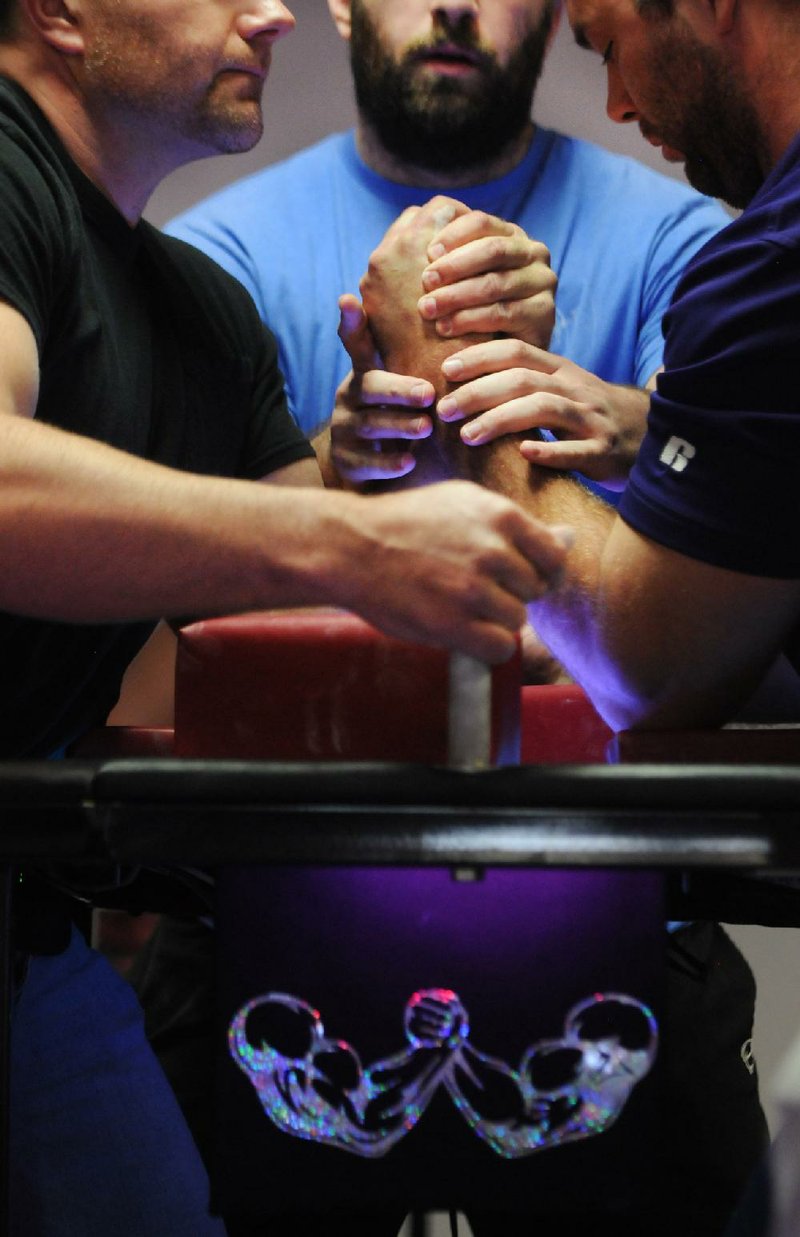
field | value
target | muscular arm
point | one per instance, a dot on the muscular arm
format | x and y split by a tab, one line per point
659	640
91	534
508	386
656	638
408	344
88	533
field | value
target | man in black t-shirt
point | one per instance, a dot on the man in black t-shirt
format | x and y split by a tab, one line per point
139	400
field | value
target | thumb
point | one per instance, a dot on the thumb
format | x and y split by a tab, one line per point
356	336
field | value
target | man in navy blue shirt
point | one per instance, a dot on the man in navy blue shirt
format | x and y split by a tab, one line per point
697	588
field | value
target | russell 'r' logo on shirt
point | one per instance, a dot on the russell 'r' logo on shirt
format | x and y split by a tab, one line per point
677	453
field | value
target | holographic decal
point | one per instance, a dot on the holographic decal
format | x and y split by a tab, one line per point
565	1089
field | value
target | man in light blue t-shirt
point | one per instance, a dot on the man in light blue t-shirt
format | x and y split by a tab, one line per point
444	100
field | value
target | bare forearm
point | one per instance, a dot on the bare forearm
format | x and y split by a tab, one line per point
657	639
569	623
408	344
583	621
88	533
412	346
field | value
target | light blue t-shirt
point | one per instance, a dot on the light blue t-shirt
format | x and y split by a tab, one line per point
299	233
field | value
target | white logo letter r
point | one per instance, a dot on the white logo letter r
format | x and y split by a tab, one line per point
677	453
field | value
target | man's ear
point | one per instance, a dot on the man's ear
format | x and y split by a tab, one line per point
340	12
58	23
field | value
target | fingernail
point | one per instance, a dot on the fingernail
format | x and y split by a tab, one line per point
445	326
431	280
452	368
421	393
427	306
447	406
436	250
470	432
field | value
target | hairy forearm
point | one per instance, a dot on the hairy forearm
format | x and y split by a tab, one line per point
409	345
88	533
642	628
568	620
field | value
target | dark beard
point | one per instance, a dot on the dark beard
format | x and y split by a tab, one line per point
445	124
730	167
738	190
732	164
719	132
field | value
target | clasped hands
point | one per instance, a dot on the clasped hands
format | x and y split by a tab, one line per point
443	273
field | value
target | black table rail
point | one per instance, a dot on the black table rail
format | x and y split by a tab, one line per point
171	811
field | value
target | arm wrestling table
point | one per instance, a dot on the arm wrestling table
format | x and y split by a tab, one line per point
739	819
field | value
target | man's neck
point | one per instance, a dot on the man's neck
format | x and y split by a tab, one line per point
105	155
401	172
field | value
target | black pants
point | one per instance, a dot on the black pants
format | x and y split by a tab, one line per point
716	1133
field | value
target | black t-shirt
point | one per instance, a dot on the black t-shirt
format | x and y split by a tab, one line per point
145	344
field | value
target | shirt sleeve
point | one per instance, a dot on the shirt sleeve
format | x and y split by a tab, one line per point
38	254
679	236
273	439
716	478
230	369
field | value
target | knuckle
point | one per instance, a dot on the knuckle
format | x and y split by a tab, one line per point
522	383
504	312
493	287
572	419
496	249
516	353
373	267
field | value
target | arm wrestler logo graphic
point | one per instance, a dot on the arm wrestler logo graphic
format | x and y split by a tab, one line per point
314	1087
